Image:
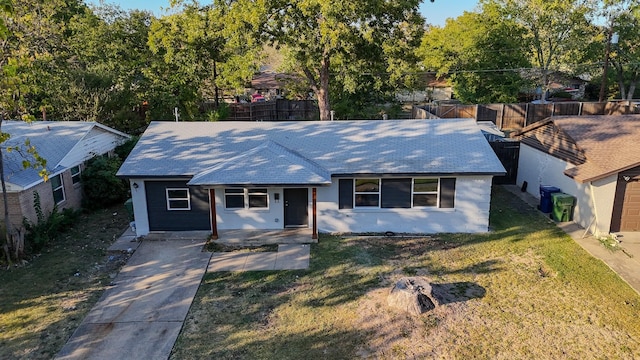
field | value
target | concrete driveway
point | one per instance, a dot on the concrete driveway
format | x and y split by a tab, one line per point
141	315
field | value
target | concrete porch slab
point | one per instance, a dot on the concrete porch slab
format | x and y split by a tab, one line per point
251	237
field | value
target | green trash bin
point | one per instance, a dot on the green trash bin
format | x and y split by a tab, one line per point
129	206
562	206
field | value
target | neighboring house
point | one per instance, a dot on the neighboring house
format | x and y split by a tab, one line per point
65	145
593	158
271	85
432	89
416	176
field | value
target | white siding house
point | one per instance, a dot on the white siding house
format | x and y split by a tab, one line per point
410	176
589	158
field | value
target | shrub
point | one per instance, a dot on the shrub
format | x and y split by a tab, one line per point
101	186
47	227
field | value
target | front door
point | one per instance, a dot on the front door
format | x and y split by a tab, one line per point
296	204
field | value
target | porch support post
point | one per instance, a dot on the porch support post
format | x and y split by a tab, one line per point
315	217
214	223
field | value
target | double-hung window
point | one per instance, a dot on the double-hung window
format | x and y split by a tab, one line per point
253	198
178	199
57	186
425	192
257	198
367	192
234	198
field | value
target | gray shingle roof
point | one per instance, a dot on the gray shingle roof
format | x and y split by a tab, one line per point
442	146
52	139
267	164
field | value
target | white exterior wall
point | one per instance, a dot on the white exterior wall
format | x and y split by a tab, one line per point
270	218
140	215
594	204
96	142
471	212
470	215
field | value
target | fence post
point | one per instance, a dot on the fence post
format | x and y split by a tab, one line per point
501	118
526	114
580	108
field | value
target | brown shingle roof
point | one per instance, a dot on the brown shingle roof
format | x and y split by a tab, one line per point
609	143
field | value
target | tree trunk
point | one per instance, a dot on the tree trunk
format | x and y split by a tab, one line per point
5	229
632	90
620	77
215	84
324	105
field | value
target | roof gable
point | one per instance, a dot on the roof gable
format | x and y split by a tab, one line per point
267	164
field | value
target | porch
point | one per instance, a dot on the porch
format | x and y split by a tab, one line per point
256	237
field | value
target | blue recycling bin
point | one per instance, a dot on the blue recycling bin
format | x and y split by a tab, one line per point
546	202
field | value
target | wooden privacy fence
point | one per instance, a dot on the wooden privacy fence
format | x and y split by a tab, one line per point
517	116
274	110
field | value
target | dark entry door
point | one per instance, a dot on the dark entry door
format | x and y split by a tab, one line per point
295	207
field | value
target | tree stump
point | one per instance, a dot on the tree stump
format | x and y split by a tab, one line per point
411	294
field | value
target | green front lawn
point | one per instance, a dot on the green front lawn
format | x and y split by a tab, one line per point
526	290
44	301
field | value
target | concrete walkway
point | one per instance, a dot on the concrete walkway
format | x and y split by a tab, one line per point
625	263
288	257
141	315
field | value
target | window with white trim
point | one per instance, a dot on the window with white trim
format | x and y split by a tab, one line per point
234	198
367	192
253	198
397	193
425	192
57	186
75	174
178	199
258	198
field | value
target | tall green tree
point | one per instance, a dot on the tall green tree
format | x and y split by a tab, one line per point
106	76
623	17
332	42
206	56
482	55
555	29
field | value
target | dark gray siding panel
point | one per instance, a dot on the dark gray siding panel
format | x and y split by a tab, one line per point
396	193
447	192
161	219
345	190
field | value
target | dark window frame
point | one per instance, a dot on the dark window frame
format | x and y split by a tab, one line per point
76	177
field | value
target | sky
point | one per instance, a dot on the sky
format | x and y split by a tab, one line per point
436	13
